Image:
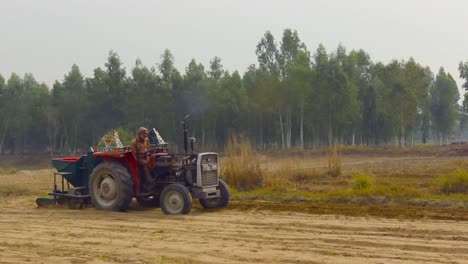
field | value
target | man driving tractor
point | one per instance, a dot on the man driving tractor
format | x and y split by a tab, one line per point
140	146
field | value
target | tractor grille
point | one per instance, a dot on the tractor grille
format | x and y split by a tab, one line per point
210	178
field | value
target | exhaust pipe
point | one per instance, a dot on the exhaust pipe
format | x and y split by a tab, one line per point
185	134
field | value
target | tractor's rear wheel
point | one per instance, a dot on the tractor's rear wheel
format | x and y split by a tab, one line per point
176	199
220	202
111	187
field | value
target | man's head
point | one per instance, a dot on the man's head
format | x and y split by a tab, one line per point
142	132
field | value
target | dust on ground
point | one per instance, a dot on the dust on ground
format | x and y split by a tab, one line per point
241	233
224	236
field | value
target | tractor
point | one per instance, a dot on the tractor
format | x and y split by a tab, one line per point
110	180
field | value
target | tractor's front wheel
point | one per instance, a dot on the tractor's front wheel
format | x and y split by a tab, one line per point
220	202
111	187
176	199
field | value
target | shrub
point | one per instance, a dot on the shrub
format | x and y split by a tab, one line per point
274	180
303	175
362	182
8	170
396	191
241	168
455	182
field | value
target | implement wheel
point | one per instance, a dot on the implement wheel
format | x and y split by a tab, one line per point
176	199
220	202
111	187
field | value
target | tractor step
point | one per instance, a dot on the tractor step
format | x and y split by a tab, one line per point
45	202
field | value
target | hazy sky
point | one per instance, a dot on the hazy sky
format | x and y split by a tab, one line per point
46	37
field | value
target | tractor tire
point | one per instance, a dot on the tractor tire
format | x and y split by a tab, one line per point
111	187
149	201
176	199
220	202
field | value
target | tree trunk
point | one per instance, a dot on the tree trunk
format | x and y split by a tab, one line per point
288	130
203	137
301	142
281	129
2	141
261	131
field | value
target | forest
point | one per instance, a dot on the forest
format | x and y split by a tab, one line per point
294	97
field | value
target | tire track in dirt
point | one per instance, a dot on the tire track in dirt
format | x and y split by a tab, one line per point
226	236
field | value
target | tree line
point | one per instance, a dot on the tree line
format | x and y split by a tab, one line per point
293	97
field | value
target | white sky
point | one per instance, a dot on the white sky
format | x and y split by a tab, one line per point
47	37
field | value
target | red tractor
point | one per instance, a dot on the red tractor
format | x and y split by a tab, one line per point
109	180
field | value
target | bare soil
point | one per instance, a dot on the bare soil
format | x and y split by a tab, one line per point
247	232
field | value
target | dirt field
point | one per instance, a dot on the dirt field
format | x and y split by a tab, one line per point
226	236
242	233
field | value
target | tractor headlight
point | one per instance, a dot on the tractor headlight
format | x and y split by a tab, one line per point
209	167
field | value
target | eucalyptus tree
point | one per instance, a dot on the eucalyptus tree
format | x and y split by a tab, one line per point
299	79
167	69
117	85
2	84
196	101
336	96
144	97
216	69
68	100
11	96
425	120
317	119
292	51
172	83
211	98
24	109
418	80
98	106
233	104
107	93
4	114
463	68
358	67
405	89
269	82
444	104
257	83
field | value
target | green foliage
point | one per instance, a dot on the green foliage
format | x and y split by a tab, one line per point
463	68
125	136
292	98
9	170
362	182
455	182
444	104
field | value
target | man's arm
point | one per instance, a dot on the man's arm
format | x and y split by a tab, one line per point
133	148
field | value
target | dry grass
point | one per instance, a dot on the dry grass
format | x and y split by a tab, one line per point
334	162
426	181
241	167
361	179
